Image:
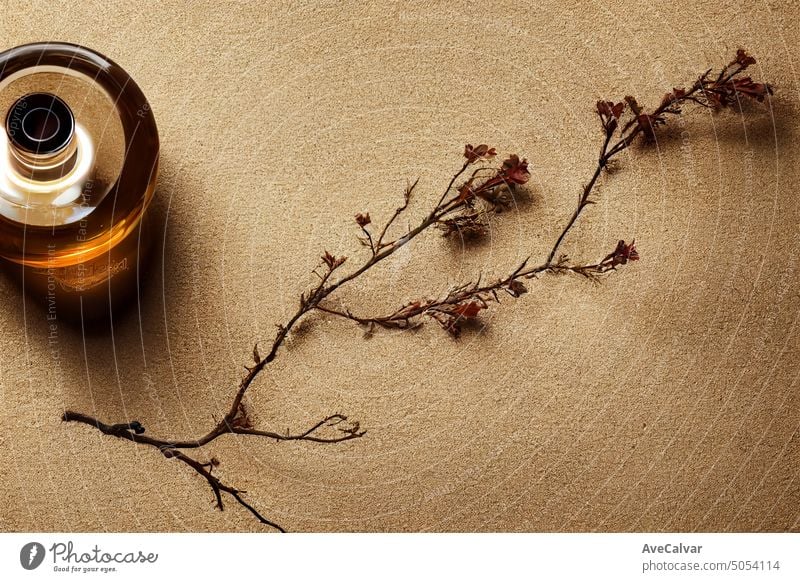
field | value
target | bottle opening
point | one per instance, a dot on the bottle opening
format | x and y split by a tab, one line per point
40	124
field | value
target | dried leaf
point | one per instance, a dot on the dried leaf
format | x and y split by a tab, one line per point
516	288
634	105
465	191
242	418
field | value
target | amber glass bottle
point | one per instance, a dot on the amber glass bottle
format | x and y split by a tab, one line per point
78	164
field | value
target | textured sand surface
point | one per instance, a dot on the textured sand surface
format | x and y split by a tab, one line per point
665	398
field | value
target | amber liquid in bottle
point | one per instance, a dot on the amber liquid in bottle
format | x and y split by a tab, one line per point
78	165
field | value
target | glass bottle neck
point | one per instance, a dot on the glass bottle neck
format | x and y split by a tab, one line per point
44	167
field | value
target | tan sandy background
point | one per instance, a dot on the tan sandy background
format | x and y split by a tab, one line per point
665	398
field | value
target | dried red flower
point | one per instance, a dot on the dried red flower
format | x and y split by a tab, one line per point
469	309
451	317
515	170
727	94
610	113
623	253
743	59
673	97
331	261
480	152
750	88
648	123
363	219
608	109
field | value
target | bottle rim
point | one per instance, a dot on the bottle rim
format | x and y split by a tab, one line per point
41	124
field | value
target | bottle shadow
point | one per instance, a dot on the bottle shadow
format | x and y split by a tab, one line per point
110	361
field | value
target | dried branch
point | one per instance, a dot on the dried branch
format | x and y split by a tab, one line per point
218	486
466	301
461	208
